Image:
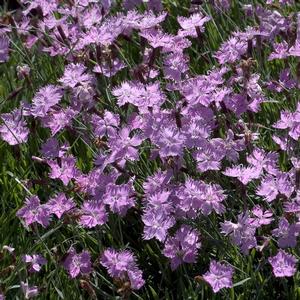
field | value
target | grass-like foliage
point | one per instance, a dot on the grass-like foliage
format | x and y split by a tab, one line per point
149	149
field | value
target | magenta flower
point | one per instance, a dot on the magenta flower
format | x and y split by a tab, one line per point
14	130
122	265
77	263
93	213
36	261
182	247
65	171
219	276
283	264
60	204
33	212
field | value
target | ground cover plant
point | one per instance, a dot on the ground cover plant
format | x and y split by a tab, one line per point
150	149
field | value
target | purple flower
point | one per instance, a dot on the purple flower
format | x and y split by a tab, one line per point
272	186
243	174
123	146
208	158
93	213
29	291
107	125
231	50
156	182
241	233
33	212
170	142
233	146
160	201
14	130
283	264
122	265
57	121
261	217
50	149
211	200
286	233
36	261
190	24
65	171
156	224
119	198
219	276
75	74
109	69
262	160
182	247
60	204
44	99
175	64
4	49
78	263
280	51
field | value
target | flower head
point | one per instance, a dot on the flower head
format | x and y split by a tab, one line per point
283	264
219	276
78	263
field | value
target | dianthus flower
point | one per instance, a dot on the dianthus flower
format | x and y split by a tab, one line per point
33	212
14	130
78	263
93	213
44	99
75	74
122	265
231	50
29	291
60	204
65	171
156	224
57	121
260	216
119	198
242	233
182	247
287	233
190	24
36	261
219	276
283	264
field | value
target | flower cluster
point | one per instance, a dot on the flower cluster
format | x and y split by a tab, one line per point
128	133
